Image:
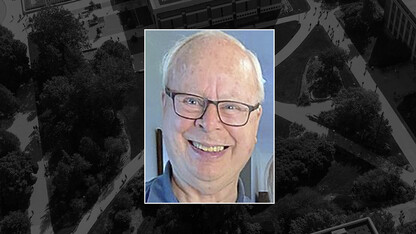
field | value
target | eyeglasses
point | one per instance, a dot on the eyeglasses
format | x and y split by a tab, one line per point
193	107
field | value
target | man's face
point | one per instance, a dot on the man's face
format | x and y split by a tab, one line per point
218	70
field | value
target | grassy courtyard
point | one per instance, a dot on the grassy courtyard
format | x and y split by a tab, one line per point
283	33
289	72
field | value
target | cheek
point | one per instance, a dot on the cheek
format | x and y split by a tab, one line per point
174	129
245	140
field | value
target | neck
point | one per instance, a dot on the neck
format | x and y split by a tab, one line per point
207	192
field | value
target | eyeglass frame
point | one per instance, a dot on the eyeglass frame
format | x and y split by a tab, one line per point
207	101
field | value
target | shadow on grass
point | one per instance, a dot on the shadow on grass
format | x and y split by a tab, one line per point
289	72
283	33
282	127
34	148
6	123
353	52
32	115
133	113
388	52
46	221
26	96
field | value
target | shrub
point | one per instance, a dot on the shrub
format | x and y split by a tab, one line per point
8	103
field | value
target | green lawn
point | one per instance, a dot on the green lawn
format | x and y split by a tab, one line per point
282	127
289	72
348	79
339	179
341	175
283	33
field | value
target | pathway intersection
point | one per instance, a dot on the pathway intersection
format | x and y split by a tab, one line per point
358	68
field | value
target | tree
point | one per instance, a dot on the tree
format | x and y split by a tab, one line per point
296	206
377	188
123	202
382	219
8	143
114	149
296	130
356	115
327	82
113	66
367	11
205	219
16	180
14	63
333	57
315	221
16	222
57	27
301	161
70	175
135	189
326	79
358	31
90	151
56	94
122	220
76	206
60	37
8	103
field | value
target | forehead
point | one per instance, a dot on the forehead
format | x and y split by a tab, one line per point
214	62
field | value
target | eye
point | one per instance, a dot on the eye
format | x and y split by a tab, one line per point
191	101
230	107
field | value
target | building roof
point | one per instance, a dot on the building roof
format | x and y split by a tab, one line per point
168	5
411	5
360	226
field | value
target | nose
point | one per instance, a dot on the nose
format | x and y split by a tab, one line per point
210	120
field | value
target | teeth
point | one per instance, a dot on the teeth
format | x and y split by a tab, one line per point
208	148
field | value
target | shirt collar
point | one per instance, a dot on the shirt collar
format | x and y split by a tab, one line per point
160	188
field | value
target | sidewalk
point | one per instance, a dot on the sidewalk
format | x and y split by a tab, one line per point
23	128
114	188
409	210
307	21
358	68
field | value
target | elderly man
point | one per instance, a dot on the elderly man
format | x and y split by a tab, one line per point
213	90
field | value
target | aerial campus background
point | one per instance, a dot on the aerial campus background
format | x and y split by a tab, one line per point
71	131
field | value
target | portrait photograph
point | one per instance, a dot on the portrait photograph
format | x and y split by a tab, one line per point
209	116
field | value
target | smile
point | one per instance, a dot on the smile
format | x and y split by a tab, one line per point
209	148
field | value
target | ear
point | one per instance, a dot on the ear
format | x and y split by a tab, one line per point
163	99
259	112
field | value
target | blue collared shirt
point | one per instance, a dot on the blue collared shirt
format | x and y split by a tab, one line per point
159	189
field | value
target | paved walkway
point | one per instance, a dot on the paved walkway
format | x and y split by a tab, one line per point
297	114
399	133
3	10
23	128
12	10
113	189
409	210
358	65
307	21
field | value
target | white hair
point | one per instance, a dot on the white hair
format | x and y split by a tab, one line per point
170	55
